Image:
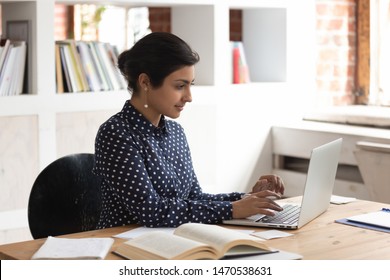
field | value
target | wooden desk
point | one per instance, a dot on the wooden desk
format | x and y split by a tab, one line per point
320	239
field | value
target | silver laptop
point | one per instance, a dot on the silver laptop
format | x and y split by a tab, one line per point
318	190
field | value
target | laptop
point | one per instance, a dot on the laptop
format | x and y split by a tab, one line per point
318	190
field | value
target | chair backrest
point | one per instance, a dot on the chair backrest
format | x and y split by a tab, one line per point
65	197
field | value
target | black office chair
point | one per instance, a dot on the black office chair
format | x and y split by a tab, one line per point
65	197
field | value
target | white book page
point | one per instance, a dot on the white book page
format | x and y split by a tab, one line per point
133	233
212	234
166	245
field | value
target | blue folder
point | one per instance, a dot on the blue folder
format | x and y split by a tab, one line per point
362	225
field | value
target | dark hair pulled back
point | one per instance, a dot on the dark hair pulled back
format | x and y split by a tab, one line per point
158	54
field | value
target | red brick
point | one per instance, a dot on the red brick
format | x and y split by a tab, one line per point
160	19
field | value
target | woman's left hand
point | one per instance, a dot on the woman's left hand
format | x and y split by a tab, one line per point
269	182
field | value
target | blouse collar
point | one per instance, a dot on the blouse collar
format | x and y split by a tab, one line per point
138	121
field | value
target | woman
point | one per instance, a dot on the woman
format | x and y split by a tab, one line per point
144	159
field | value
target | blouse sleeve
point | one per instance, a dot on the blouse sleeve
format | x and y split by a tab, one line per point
198	194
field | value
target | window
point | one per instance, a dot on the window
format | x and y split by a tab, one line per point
353	61
120	26
379	93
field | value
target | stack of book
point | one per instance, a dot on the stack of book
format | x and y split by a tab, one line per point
87	66
12	67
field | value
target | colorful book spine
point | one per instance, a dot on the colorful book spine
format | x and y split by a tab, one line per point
240	65
87	66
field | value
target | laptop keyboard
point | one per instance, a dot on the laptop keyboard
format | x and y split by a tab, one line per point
289	215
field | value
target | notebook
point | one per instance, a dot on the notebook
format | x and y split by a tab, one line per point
318	190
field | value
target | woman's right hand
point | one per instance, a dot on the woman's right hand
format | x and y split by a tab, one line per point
256	203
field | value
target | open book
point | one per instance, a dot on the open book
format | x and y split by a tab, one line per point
192	241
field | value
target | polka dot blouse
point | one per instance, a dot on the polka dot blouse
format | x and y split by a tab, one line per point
148	177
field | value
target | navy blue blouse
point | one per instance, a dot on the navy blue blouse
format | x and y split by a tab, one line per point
148	177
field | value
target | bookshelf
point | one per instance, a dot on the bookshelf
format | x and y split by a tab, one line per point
42	125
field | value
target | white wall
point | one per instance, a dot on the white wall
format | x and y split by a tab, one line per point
231	146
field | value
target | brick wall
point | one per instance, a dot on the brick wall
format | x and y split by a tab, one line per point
336	50
235	25
160	19
61	22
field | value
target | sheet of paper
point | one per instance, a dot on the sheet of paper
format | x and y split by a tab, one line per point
74	248
271	234
336	199
379	218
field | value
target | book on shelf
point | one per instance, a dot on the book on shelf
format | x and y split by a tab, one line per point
13	67
59	74
79	68
73	61
105	83
65	72
113	54
19	68
239	63
89	66
70	68
4	46
108	65
192	241
6	71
